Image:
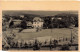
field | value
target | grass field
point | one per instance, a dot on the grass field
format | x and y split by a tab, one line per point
46	34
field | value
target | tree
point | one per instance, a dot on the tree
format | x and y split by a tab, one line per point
11	24
65	47
36	45
23	24
7	17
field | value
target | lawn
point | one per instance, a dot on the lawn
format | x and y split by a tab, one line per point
46	34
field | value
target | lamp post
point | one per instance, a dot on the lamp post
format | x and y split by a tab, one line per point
51	24
51	33
71	40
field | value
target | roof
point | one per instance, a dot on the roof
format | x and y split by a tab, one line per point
37	19
17	20
29	23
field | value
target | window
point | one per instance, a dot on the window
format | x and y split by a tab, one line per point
37	22
38	25
34	25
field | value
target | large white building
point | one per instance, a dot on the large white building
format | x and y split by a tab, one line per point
37	22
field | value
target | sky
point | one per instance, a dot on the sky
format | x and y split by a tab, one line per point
41	13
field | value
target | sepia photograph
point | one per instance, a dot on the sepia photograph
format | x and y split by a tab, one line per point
40	30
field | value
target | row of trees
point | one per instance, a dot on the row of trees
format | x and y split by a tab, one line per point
65	22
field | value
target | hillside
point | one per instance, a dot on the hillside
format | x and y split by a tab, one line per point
35	13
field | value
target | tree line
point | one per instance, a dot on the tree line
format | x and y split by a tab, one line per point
66	21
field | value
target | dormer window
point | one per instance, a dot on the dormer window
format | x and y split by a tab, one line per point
39	20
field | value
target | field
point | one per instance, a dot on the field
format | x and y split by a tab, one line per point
46	34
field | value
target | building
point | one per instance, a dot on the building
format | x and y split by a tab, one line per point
59	18
17	21
22	16
29	24
37	22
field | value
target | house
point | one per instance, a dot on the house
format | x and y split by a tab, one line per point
29	24
59	18
22	16
37	22
17	23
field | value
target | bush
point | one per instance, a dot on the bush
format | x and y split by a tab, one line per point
65	47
